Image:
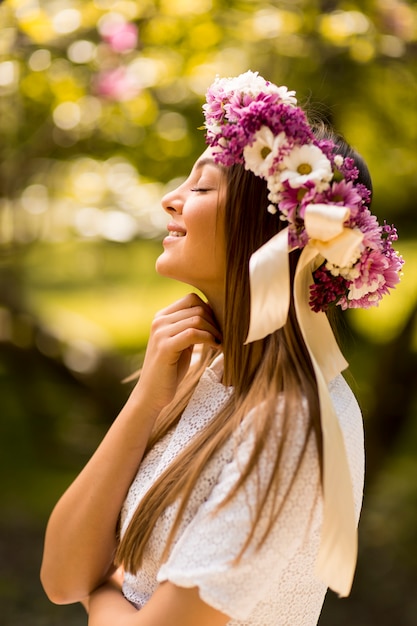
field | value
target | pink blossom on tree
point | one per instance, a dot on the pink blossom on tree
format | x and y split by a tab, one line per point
116	84
122	37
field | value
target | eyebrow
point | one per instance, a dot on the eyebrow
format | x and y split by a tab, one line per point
207	161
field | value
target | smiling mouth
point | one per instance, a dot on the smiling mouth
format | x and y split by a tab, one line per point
176	233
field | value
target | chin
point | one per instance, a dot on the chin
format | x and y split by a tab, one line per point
164	262
159	265
166	268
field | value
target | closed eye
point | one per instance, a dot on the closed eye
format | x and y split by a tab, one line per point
201	189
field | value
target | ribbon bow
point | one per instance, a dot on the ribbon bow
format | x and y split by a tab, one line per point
324	226
270	299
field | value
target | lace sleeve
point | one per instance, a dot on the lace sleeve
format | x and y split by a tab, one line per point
205	553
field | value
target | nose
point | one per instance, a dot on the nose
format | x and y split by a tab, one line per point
172	202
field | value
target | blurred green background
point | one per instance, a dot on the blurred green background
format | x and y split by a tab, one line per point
100	102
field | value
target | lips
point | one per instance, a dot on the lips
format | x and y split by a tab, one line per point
176	231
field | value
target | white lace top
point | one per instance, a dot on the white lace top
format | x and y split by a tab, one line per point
272	586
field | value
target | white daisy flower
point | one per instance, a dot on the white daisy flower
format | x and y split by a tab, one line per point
251	83
306	163
259	157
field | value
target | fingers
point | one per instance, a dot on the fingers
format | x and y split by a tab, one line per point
180	334
190	320
174	332
187	302
193	319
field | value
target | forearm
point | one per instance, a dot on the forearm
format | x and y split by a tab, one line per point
168	606
108	607
81	534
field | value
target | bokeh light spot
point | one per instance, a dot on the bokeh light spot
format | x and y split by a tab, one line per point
66	21
81	51
67	115
172	126
34	199
40	60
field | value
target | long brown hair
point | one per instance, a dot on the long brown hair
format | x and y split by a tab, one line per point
277	366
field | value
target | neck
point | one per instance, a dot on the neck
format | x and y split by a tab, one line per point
215	300
217	306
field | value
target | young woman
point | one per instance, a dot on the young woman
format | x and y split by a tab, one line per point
229	488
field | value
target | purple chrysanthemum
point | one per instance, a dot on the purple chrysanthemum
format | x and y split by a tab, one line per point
369	226
292	201
344	194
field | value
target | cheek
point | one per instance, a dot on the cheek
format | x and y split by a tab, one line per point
202	224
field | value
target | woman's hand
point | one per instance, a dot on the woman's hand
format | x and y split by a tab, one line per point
174	333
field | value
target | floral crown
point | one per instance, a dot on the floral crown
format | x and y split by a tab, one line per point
346	259
252	121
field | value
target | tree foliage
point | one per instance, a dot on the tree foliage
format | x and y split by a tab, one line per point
100	102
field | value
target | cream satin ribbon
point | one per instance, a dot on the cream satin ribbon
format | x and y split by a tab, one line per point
270	299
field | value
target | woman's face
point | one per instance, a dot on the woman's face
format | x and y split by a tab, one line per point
194	250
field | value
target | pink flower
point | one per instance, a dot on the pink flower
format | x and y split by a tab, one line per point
116	84
122	37
368	224
344	193
379	271
292	201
